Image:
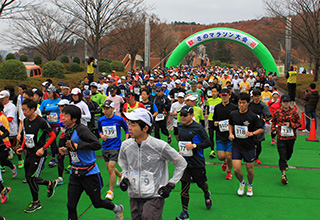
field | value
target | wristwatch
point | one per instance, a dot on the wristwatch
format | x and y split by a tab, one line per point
253	133
44	148
194	145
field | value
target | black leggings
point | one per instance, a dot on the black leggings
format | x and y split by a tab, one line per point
211	133
4	152
184	194
161	125
285	150
258	149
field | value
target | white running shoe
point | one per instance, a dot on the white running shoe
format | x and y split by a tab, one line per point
241	189
59	181
249	191
109	195
14	171
119	213
118	181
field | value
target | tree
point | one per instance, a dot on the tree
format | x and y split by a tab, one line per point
130	35
36	29
305	23
10	7
164	40
99	17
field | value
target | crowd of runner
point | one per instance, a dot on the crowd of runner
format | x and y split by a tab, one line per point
224	109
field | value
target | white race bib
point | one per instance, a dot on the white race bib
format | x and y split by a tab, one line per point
74	157
29	140
286	131
140	98
159	117
182	149
209	93
243	88
240	131
52	117
63	129
266	99
224	125
136	91
211	109
110	131
176	96
145	181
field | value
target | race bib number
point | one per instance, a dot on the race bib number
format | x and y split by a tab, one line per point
52	117
182	149
136	91
145	181
29	140
265	99
209	93
286	131
74	157
257	84
224	125
110	131
243	88
211	109
140	98
123	92
86	87
159	117
176	96
240	131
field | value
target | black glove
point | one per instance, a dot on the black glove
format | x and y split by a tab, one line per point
165	191
124	184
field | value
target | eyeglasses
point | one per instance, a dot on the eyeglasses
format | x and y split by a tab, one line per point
182	114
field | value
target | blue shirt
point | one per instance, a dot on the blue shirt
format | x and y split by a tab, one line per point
52	107
112	128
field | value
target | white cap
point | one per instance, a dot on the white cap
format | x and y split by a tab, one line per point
4	93
100	87
109	76
63	102
151	78
104	74
164	84
275	92
161	76
210	80
75	91
236	74
178	81
191	97
181	94
140	114
123	77
94	84
267	85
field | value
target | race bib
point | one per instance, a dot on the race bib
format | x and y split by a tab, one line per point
176	96
159	117
182	149
110	131
74	157
240	131
209	93
257	84
211	109
286	131
243	88
224	125
29	140
52	117
123	92
136	91
63	129
145	181
140	98
265	99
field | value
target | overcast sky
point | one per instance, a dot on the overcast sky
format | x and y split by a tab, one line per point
199	11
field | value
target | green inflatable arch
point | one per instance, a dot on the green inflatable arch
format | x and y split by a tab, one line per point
225	34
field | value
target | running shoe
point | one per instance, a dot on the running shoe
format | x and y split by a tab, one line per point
169	139
5	194
51	188
109	195
20	164
208	201
3	169
284	180
212	154
241	188
258	161
273	141
249	191
10	156
52	163
183	215
224	166
119	213
24	181
14	171
229	175
33	206
59	181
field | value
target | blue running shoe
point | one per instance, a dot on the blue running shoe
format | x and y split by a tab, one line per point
208	201
183	215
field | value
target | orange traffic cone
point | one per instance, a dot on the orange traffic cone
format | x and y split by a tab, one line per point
303	122
312	135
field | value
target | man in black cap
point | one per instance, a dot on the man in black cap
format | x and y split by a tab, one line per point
95	111
233	97
193	139
285	122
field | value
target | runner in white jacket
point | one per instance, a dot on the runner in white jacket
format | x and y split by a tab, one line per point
77	100
143	160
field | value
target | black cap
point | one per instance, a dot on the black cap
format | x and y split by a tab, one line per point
186	109
224	91
285	98
112	88
193	83
129	95
230	86
108	104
